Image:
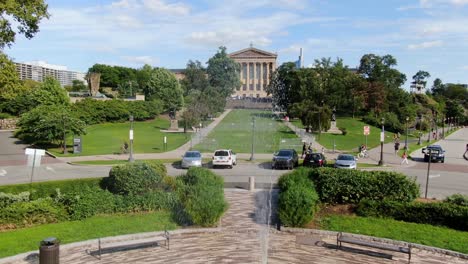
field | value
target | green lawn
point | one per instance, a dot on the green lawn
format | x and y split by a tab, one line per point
108	138
235	132
429	235
27	239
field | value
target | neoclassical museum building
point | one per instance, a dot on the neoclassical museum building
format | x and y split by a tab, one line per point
256	67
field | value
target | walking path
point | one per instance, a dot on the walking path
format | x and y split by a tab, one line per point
244	237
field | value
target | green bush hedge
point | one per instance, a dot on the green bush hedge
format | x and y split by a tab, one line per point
298	198
458	199
132	179
440	214
48	189
7	198
201	196
158	166
351	186
40	211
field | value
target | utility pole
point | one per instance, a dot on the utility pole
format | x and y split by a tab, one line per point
428	169
382	139
130	159
253	139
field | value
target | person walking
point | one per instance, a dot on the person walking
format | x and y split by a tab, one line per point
304	148
397	147
404	158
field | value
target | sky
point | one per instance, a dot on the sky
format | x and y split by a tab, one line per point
429	35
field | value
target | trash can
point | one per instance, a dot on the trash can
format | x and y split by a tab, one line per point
49	251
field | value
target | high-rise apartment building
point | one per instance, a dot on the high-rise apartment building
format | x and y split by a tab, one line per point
38	70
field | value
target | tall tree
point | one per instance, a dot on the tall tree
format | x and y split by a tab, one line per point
421	78
223	73
10	85
163	85
49	92
195	78
26	13
437	87
280	87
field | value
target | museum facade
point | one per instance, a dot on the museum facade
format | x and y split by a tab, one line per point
256	66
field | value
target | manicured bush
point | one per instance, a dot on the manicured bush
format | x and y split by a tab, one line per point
458	199
151	201
132	179
351	186
297	205
201	196
437	213
298	198
48	189
87	202
158	166
7	198
40	211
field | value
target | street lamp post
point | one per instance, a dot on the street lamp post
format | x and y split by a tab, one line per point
130	159
420	129
382	138
320	120
428	171
253	139
443	127
436	129
406	138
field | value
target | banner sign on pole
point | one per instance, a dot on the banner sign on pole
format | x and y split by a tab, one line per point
366	130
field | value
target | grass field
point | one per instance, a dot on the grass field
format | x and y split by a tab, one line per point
354	136
27	239
388	228
235	132
108	138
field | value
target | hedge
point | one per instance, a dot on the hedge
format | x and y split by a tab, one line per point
437	213
458	199
133	179
201	196
297	199
351	186
47	189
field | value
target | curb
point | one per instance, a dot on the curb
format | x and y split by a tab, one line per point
377	239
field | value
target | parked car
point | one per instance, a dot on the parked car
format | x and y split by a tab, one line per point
437	153
224	157
345	161
314	160
285	158
191	159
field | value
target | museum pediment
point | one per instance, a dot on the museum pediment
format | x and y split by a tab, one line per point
252	53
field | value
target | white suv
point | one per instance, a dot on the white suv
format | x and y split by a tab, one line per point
224	157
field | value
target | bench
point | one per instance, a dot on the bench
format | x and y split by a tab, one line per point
350	240
106	247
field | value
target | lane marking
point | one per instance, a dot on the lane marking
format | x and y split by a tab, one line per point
434	176
50	169
3	172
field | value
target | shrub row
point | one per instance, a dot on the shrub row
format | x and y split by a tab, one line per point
94	111
458	199
297	199
201	196
351	186
441	214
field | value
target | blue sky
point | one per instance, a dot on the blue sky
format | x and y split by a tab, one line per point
430	35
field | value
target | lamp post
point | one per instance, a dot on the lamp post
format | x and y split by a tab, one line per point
253	139
130	159
382	138
406	138
443	127
428	170
420	129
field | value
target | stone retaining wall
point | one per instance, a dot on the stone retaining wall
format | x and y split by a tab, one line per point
8	124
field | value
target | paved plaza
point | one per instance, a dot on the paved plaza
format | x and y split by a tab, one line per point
244	237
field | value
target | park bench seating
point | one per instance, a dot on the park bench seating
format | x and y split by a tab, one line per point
109	246
340	238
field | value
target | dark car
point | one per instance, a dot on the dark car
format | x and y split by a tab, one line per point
285	158
436	153
315	160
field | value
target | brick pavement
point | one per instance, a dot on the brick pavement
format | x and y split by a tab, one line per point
242	238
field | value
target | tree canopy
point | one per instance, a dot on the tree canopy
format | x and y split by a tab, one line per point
164	86
26	13
223	73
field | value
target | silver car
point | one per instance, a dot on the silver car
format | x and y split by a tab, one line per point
191	159
345	161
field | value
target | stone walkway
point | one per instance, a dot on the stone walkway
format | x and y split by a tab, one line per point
243	237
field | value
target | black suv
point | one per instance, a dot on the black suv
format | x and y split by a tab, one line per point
437	153
285	158
314	160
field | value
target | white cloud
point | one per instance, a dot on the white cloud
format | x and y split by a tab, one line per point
425	45
435	3
124	4
140	59
464	68
160	7
127	21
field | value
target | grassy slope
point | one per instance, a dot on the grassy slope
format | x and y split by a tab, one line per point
27	239
429	235
108	138
235	132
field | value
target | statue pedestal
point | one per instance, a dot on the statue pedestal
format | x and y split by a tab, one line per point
333	129
174	125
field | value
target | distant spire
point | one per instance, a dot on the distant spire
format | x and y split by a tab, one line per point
251	44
